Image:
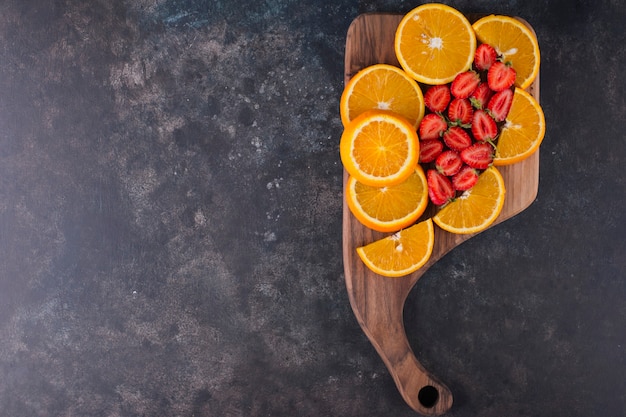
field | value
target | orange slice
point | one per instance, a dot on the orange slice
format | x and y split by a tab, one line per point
379	148
382	87
515	42
434	43
401	253
476	209
389	209
523	131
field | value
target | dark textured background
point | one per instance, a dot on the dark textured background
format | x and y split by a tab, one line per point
170	221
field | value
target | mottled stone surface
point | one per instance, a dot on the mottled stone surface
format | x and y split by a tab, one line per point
170	221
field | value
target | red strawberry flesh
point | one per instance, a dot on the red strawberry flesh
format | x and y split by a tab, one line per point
500	76
456	138
430	150
432	126
500	104
465	179
484	57
464	84
449	163
484	128
437	98
478	156
440	189
480	97
460	111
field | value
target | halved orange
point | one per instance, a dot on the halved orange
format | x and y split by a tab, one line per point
401	253
435	42
477	208
379	148
523	131
389	209
515	42
382	87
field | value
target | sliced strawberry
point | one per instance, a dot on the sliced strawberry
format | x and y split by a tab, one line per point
456	138
440	189
480	97
430	150
484	128
460	112
432	126
478	156
484	57
464	84
501	76
437	98
465	178
500	104
449	163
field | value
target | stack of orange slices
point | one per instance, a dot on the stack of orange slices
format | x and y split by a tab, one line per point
382	106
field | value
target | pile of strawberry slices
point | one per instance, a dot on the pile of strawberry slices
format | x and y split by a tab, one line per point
458	134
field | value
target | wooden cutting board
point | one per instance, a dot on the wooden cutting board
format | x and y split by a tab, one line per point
378	302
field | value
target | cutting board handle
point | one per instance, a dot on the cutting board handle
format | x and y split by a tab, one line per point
422	391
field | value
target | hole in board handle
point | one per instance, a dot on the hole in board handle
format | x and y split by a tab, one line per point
428	396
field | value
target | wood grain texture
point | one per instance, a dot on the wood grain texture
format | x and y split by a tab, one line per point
378	302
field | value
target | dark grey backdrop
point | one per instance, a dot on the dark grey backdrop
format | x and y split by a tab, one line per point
170	221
